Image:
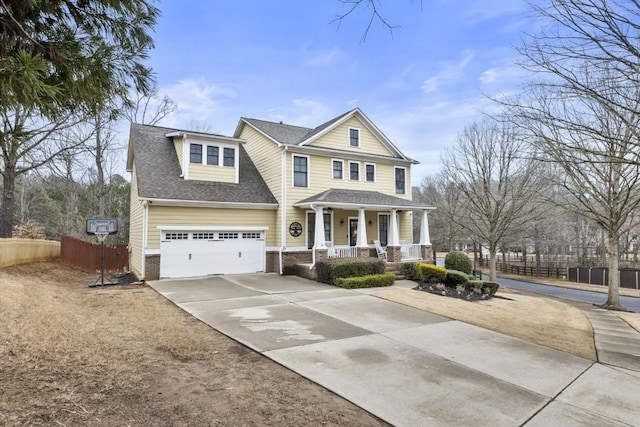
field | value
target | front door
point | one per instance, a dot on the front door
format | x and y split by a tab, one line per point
353	231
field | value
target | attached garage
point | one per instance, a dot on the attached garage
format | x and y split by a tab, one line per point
201	252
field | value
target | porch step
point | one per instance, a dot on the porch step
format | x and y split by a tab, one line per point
396	268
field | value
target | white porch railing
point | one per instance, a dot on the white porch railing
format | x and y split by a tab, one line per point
342	252
410	251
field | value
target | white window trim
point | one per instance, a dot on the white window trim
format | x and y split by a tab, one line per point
306	221
359	171
375	172
394	180
341	161
349	137
388	215
293	178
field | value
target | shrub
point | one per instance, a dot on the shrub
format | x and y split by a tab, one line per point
430	272
489	288
475	286
454	278
329	271
369	281
409	270
459	261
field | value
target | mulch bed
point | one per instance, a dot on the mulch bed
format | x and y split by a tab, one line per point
440	289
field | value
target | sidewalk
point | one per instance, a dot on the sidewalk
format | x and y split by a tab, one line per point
404	365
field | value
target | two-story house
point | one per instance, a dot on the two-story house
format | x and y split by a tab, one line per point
271	196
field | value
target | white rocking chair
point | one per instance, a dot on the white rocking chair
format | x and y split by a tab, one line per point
382	252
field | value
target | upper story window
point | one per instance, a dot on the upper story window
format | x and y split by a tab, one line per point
300	171
354	171
370	172
195	153
337	169
212	155
229	157
354	137
400	180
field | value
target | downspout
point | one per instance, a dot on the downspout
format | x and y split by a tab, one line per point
145	224
283	207
315	242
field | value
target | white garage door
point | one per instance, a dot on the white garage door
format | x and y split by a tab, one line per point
202	253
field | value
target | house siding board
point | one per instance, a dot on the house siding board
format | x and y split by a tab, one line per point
212	173
178	143
338	139
192	216
135	228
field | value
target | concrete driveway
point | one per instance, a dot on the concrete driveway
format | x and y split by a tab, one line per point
404	365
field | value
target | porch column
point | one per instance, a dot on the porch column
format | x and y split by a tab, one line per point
394	231
361	239
320	243
424	229
393	243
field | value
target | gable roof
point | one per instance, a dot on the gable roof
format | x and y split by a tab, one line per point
351	199
284	134
158	173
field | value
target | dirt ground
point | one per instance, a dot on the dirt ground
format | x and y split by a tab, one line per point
72	355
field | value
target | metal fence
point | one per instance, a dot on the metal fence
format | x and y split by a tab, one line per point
87	256
629	277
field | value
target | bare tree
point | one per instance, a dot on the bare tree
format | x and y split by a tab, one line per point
28	141
491	170
582	111
149	108
373	10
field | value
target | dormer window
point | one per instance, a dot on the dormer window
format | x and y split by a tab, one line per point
212	155
354	137
195	153
229	157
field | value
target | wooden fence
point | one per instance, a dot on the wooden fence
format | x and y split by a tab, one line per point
87	256
521	270
23	251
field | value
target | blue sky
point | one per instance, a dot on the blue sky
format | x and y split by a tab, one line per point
286	60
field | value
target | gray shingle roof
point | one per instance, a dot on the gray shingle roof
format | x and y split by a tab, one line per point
360	198
284	134
158	173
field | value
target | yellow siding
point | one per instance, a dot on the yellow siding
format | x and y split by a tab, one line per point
267	157
178	144
338	139
135	228
212	173
194	216
321	178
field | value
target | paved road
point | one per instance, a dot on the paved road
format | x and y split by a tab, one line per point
630	303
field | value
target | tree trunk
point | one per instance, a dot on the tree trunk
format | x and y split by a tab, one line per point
99	166
493	257
613	298
8	201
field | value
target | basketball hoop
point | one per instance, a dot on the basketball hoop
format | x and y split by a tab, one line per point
101	228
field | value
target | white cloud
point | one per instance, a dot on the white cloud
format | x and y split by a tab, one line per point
198	100
449	71
324	58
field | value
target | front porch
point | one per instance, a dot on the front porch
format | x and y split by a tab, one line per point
407	251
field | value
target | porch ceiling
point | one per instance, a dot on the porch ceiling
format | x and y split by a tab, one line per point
354	199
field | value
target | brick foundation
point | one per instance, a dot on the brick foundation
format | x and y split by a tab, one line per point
152	267
394	254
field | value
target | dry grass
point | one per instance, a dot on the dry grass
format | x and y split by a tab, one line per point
539	320
633	319
72	355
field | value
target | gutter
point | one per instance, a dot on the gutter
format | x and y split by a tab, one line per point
145	226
